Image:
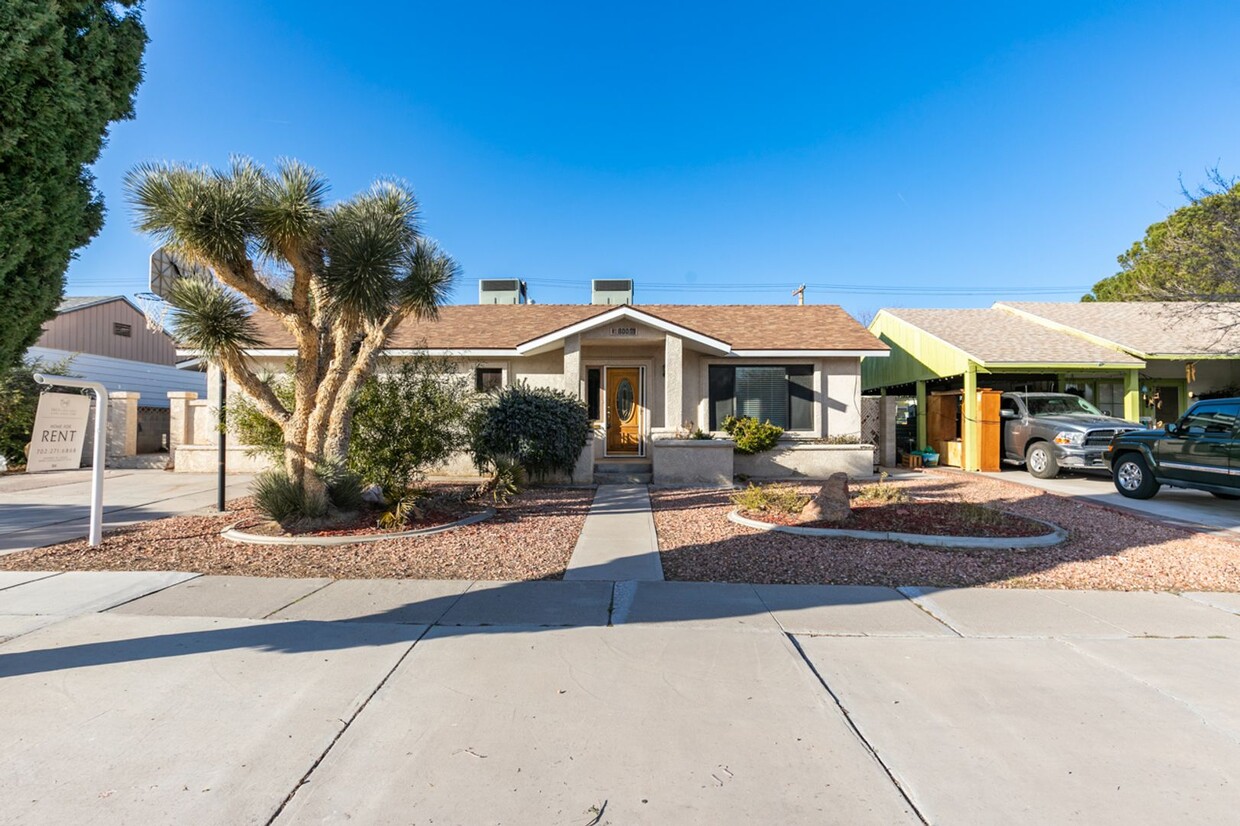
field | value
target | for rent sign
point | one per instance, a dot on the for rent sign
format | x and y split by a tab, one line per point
59	432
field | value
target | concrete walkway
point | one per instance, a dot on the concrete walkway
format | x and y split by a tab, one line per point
618	540
163	697
40	509
1192	508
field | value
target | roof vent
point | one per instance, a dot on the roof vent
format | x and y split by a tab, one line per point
501	291
611	291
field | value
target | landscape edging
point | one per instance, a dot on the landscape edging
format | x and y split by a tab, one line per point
1056	535
234	535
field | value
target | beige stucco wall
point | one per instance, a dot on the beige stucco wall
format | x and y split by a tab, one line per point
807	461
691	462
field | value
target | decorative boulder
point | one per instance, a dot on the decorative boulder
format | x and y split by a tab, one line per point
372	495
830	504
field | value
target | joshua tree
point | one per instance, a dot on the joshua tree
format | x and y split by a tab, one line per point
340	277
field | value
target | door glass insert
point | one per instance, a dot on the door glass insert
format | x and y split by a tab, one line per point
624	400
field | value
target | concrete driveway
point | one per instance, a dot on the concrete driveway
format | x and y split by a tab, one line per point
170	698
40	509
1187	507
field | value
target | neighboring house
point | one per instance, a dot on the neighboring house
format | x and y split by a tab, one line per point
649	372
1142	361
105	339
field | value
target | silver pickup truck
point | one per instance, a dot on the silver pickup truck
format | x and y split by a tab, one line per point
1047	431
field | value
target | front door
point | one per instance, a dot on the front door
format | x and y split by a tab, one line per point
624	404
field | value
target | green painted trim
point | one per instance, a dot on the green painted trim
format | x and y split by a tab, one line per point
1058	366
921	415
971	425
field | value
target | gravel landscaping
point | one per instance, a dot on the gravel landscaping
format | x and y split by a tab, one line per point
530	538
1106	549
936	518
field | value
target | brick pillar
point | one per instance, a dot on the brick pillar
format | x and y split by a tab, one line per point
179	421
123	423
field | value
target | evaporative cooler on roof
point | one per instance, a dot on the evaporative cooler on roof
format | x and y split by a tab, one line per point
501	291
611	291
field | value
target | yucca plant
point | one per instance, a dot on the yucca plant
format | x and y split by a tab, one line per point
339	277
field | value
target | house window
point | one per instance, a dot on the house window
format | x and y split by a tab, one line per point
488	379
123	330
594	392
782	394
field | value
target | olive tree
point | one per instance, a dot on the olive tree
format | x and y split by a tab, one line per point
340	277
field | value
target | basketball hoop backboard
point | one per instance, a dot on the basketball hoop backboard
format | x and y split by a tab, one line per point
167	267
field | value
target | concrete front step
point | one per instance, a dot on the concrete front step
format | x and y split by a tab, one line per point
612	478
630	466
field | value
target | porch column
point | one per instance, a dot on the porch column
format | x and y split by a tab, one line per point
572	365
1132	395
921	416
673	381
971	426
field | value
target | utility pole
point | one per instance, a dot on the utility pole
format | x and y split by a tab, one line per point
799	292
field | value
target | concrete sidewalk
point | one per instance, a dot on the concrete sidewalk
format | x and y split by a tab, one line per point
45	508
164	697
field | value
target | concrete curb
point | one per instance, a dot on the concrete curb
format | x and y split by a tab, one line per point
1056	535
231	533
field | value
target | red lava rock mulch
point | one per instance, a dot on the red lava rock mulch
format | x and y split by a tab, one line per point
940	518
444	509
1106	549
530	538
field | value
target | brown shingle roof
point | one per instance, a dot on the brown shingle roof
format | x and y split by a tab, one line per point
1151	327
999	337
504	326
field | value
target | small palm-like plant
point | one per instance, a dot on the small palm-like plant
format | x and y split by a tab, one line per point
339	277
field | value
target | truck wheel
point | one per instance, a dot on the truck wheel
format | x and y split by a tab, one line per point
1133	478
1040	461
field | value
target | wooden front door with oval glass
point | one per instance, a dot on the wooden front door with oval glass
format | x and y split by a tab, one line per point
624	405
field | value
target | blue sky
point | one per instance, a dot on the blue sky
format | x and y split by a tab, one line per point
906	155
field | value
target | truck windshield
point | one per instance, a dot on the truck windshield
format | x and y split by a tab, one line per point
1060	406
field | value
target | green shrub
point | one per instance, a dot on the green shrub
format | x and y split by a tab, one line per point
508	478
252	427
409	419
344	487
883	492
409	416
278	497
751	435
542	430
774	498
842	439
404	508
19	399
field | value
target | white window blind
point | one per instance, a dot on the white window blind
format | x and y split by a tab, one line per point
762	392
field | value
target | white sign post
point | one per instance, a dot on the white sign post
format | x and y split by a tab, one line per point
54	438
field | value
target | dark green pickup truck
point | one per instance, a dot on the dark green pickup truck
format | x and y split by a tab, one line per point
1200	451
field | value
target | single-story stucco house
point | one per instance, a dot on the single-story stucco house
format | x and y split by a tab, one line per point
647	373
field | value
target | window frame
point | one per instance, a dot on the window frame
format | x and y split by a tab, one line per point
490	369
807	391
